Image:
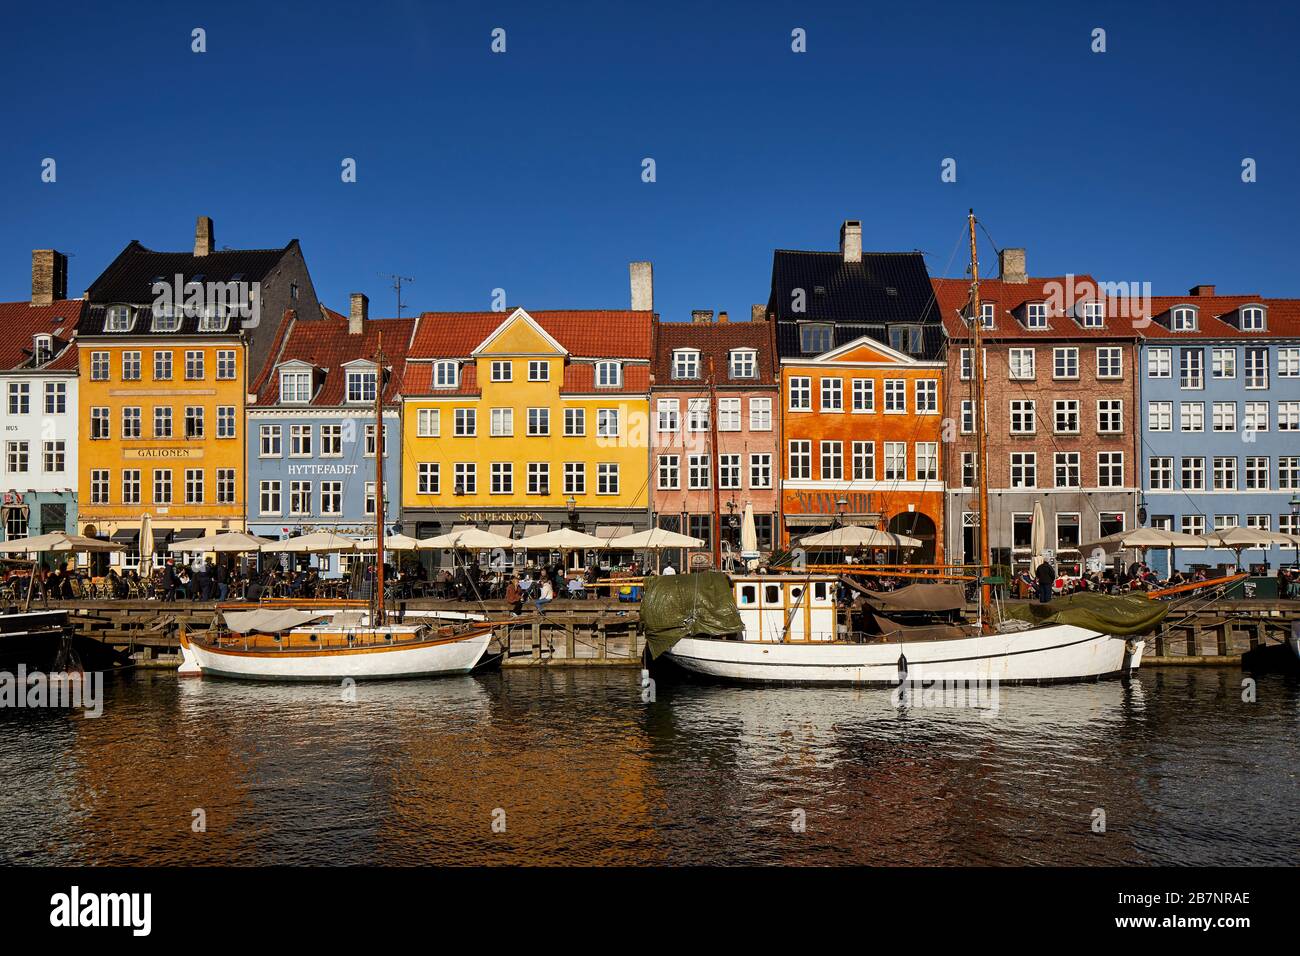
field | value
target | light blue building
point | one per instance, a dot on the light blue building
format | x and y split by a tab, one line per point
311	431
1220	407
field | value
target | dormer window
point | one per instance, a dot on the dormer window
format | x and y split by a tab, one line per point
743	363
815	339
1092	314
1252	318
686	363
1183	320
166	318
1036	315
905	338
213	319
988	313
295	386
118	319
361	386
444	374
609	374
42	349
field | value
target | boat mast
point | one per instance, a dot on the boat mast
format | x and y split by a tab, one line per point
715	466
981	452
379	482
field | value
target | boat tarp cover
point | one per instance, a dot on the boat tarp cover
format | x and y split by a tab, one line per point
919	597
687	605
1121	615
267	621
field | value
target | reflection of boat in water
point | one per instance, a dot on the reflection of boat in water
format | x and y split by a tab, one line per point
45	642
1294	641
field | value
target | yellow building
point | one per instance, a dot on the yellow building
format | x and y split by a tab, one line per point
522	422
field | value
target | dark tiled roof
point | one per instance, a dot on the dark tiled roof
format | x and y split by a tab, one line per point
20	321
586	333
715	340
326	345
1009	299
130	277
885	288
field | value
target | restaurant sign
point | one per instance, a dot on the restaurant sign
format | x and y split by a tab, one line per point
500	517
827	502
186	454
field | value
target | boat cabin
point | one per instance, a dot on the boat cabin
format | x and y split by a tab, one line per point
787	607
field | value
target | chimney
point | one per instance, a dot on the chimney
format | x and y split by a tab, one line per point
851	240
1011	266
1202	291
758	313
643	286
702	316
203	236
358	313
49	276
722	317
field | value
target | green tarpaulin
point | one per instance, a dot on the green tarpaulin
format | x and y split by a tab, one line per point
687	605
1121	615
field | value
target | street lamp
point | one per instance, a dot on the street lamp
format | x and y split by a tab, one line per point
841	507
572	504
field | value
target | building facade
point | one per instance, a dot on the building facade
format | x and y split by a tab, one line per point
168	338
739	359
311	434
1060	415
1220	392
38	417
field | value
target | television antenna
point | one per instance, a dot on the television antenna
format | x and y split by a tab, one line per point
397	281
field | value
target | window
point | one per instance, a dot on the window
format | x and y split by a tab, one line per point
927	461
1110	362
1023	417
1191	416
1160	416
194	366
225	486
1191	368
864	395
54	455
607	422
988	313
1193	474
967	416
1092	314
131	421
800	394
117	319
194	486
905	338
609	374
1065	362
895	461
130	486
701	526
193	421
1110	469
606	478
539	421
1193	524
1066	414
1067	469
669	472
760	414
1225	416
1110	522
1024	469
428	424
686	363
295	387
99	366
1288	473
728	471
1223	363
269	439
466	423
20	398
1288	416
832	395
162	366
1257	469
167	318
815	338
864	461
743	363
1225	473
99	486
1110	416
300	441
368	504
1224	522
966	365
16	456
1256	417
539	478
539	370
1036	315
56	398
130	366
501	422
832	461
331	497
502	371
370	441
1067	532
575	422
575	478
445	374
466	478
1021	363
1288	362
968	470
162	421
225	365
503	478
927	396
1159	363
1256	367
361	386
1288	524
895	396
99	423
1183	320
697	471
1252	319
728	414
1160	474
800	459
760	470
162	486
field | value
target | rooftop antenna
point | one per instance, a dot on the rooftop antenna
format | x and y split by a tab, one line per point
397	287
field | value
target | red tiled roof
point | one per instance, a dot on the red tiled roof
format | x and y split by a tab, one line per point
1282	320
952	296
715	340
22	320
418	380
586	333
326	345
580	379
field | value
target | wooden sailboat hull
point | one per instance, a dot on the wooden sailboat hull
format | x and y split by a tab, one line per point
433	658
1060	652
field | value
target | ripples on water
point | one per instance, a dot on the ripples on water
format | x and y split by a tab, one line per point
587	774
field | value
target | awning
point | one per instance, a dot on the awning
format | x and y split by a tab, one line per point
127	536
505	530
825	521
533	529
187	534
462	527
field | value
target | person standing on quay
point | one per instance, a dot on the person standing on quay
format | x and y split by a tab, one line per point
1046	576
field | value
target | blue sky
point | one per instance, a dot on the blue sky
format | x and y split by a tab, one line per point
523	170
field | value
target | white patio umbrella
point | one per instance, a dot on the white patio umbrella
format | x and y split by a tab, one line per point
1238	540
654	539
318	542
853	536
561	539
472	539
1143	538
58	541
748	533
146	539
392	542
223	542
1037	537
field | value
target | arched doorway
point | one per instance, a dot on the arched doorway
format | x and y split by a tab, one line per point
917	525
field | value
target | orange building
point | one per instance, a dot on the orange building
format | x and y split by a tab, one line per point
861	425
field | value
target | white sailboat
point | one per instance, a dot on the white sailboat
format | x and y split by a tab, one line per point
792	631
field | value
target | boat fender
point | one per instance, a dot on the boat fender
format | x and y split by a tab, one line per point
902	668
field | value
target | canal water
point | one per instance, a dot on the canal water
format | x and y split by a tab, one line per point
572	767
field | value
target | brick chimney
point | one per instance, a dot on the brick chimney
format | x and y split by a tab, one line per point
203	236
1202	291
49	276
758	313
358	313
851	240
702	316
1011	266
722	317
643	286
